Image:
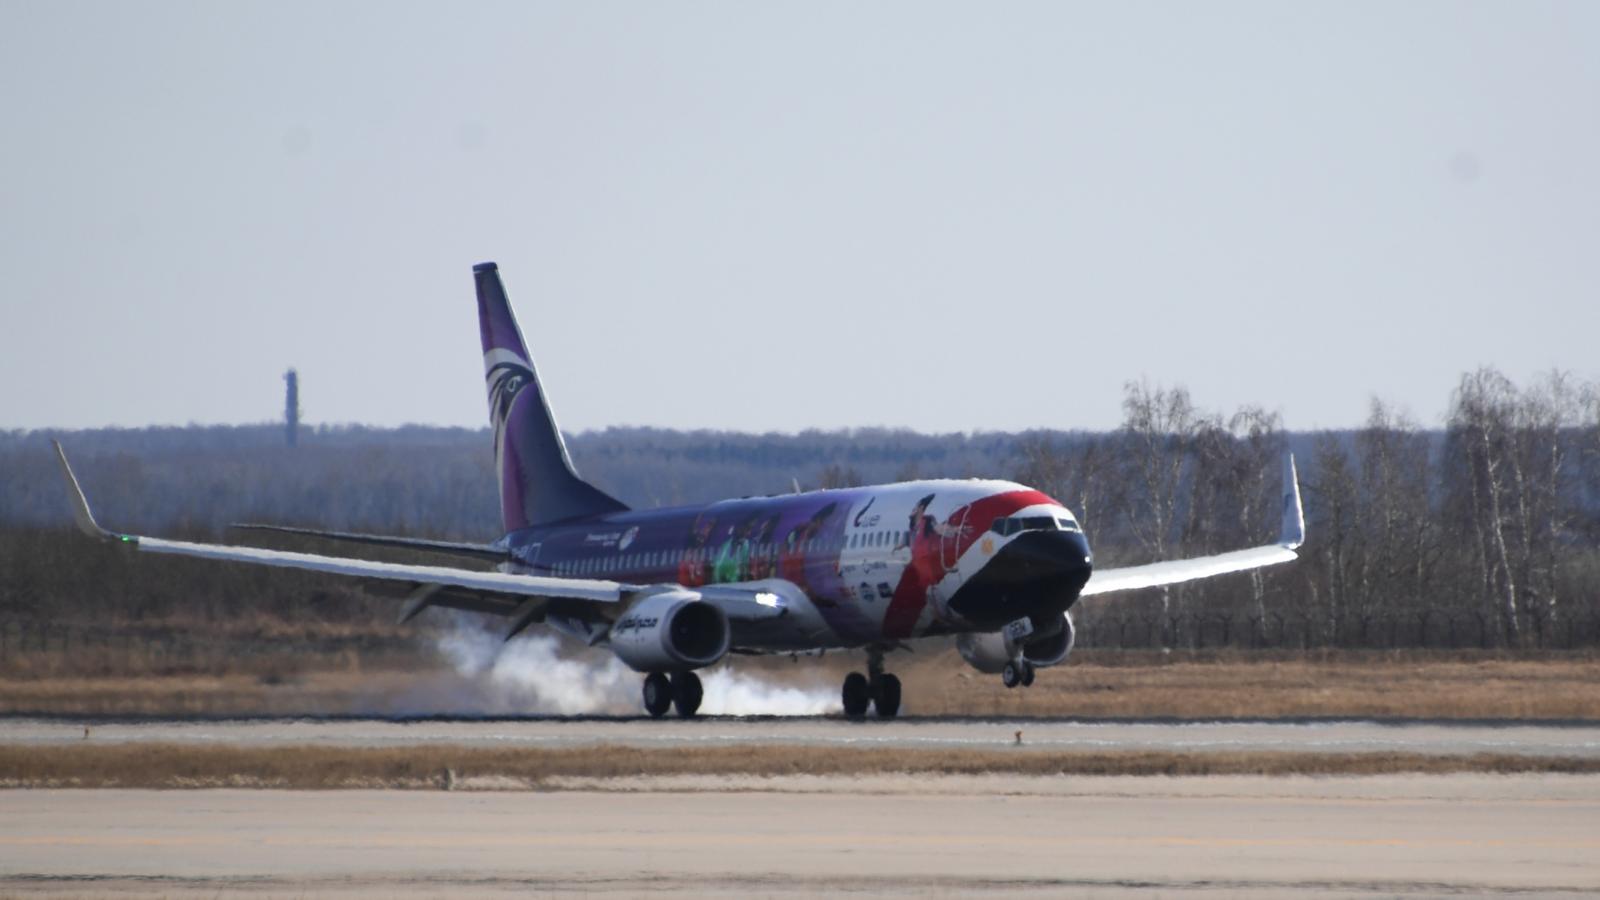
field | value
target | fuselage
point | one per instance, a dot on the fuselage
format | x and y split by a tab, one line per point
876	563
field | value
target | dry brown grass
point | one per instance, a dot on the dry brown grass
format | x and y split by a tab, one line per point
425	767
1451	685
384	693
1414	684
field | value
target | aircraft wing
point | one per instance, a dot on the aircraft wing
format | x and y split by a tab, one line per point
1291	534
525	598
491	552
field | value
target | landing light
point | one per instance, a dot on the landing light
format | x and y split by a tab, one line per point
766	598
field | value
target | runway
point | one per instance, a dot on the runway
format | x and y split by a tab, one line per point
1353	736
883	834
1105	837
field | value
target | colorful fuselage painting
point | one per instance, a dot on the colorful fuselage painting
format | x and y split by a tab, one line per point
879	563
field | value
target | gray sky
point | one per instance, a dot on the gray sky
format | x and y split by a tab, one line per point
765	216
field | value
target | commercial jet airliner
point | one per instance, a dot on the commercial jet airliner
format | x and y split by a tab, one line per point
669	591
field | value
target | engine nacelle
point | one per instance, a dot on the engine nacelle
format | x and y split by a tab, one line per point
1053	649
673	631
991	651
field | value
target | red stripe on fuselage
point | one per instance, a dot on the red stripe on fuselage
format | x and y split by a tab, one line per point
911	594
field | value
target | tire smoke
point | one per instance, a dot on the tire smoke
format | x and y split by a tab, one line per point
539	673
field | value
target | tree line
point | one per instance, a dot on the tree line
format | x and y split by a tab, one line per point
1495	517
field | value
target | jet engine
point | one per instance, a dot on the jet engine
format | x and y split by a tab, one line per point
991	651
673	631
1052	650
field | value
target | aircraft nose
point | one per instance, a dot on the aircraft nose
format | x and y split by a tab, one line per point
1061	557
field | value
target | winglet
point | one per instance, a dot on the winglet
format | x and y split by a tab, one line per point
80	505
1292	533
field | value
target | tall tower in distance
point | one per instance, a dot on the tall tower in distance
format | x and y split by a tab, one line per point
291	407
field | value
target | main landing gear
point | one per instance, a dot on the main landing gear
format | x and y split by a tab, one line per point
1018	671
877	688
681	690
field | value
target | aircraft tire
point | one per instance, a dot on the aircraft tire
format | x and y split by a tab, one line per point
856	695
887	702
1011	675
657	694
687	693
1027	674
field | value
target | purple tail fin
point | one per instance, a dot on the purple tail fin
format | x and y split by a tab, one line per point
537	482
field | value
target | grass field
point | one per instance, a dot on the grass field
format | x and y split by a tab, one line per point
1413	684
1104	684
431	767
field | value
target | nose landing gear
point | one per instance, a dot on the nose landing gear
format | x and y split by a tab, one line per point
1018	671
877	688
682	690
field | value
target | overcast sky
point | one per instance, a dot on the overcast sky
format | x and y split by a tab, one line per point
780	216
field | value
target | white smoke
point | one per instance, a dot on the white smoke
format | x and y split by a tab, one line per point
730	692
532	674
529	675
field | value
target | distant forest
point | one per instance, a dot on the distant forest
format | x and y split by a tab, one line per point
1493	519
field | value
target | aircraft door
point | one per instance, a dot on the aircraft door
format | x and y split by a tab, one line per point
950	543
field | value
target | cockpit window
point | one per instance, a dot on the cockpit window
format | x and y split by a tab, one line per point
1013	524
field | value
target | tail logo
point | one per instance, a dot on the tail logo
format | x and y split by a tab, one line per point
506	380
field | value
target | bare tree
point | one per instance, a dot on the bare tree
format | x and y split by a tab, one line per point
1396	476
1160	430
1075	471
1481	421
1336	531
1234	466
834	475
1549	416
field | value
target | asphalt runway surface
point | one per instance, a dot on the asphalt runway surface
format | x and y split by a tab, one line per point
1434	737
887	835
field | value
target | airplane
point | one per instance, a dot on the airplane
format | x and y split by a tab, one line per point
996	564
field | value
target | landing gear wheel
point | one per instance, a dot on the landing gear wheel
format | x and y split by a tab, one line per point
856	695
1011	675
686	693
887	700
657	694
1027	674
